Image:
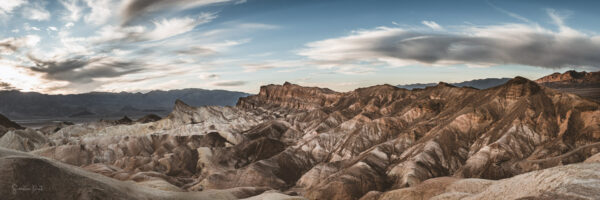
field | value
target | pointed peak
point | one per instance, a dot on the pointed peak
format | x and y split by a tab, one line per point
445	84
179	104
439	85
124	120
519	80
519	86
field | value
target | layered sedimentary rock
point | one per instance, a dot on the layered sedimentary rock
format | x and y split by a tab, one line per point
23	176
576	181
369	143
380	138
571	77
586	84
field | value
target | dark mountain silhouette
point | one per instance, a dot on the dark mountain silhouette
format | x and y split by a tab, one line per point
32	105
7	123
477	83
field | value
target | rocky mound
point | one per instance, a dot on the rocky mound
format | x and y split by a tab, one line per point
24	140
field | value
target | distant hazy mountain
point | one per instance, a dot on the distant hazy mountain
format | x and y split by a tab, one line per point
32	105
477	83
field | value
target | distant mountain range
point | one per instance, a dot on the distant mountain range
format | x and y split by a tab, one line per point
585	84
477	83
32	105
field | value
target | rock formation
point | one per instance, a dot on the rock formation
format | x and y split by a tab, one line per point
23	176
379	142
576	181
585	84
571	77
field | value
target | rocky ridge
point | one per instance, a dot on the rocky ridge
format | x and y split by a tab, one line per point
571	77
585	84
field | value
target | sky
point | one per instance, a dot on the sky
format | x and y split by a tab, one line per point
77	46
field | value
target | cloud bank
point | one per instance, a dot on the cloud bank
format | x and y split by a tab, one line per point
519	44
229	83
83	70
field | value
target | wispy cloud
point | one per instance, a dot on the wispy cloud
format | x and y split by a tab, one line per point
73	8
228	83
163	29
36	12
273	64
7	6
83	70
7	86
101	11
11	45
432	25
209	76
166	28
197	51
510	14
133	9
28	27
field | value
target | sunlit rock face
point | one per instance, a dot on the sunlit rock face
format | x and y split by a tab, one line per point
575	181
379	142
585	84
